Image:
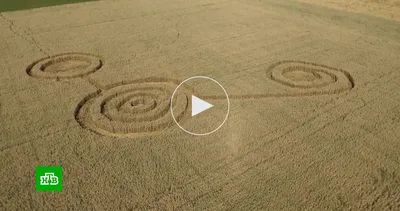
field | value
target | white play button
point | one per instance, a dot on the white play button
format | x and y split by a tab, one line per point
199	105
183	99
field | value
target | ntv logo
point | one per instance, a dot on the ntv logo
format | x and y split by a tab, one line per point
48	179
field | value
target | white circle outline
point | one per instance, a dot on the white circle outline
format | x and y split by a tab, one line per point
200	134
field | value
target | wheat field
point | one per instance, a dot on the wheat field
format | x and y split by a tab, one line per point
314	106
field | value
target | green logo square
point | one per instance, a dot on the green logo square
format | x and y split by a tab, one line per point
48	178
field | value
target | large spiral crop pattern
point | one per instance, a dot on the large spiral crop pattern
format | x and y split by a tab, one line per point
142	106
130	109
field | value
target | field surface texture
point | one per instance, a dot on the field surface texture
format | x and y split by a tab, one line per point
313	125
27	4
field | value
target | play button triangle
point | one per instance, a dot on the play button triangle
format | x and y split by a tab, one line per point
199	105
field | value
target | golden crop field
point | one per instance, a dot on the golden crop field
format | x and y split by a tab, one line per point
98	88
